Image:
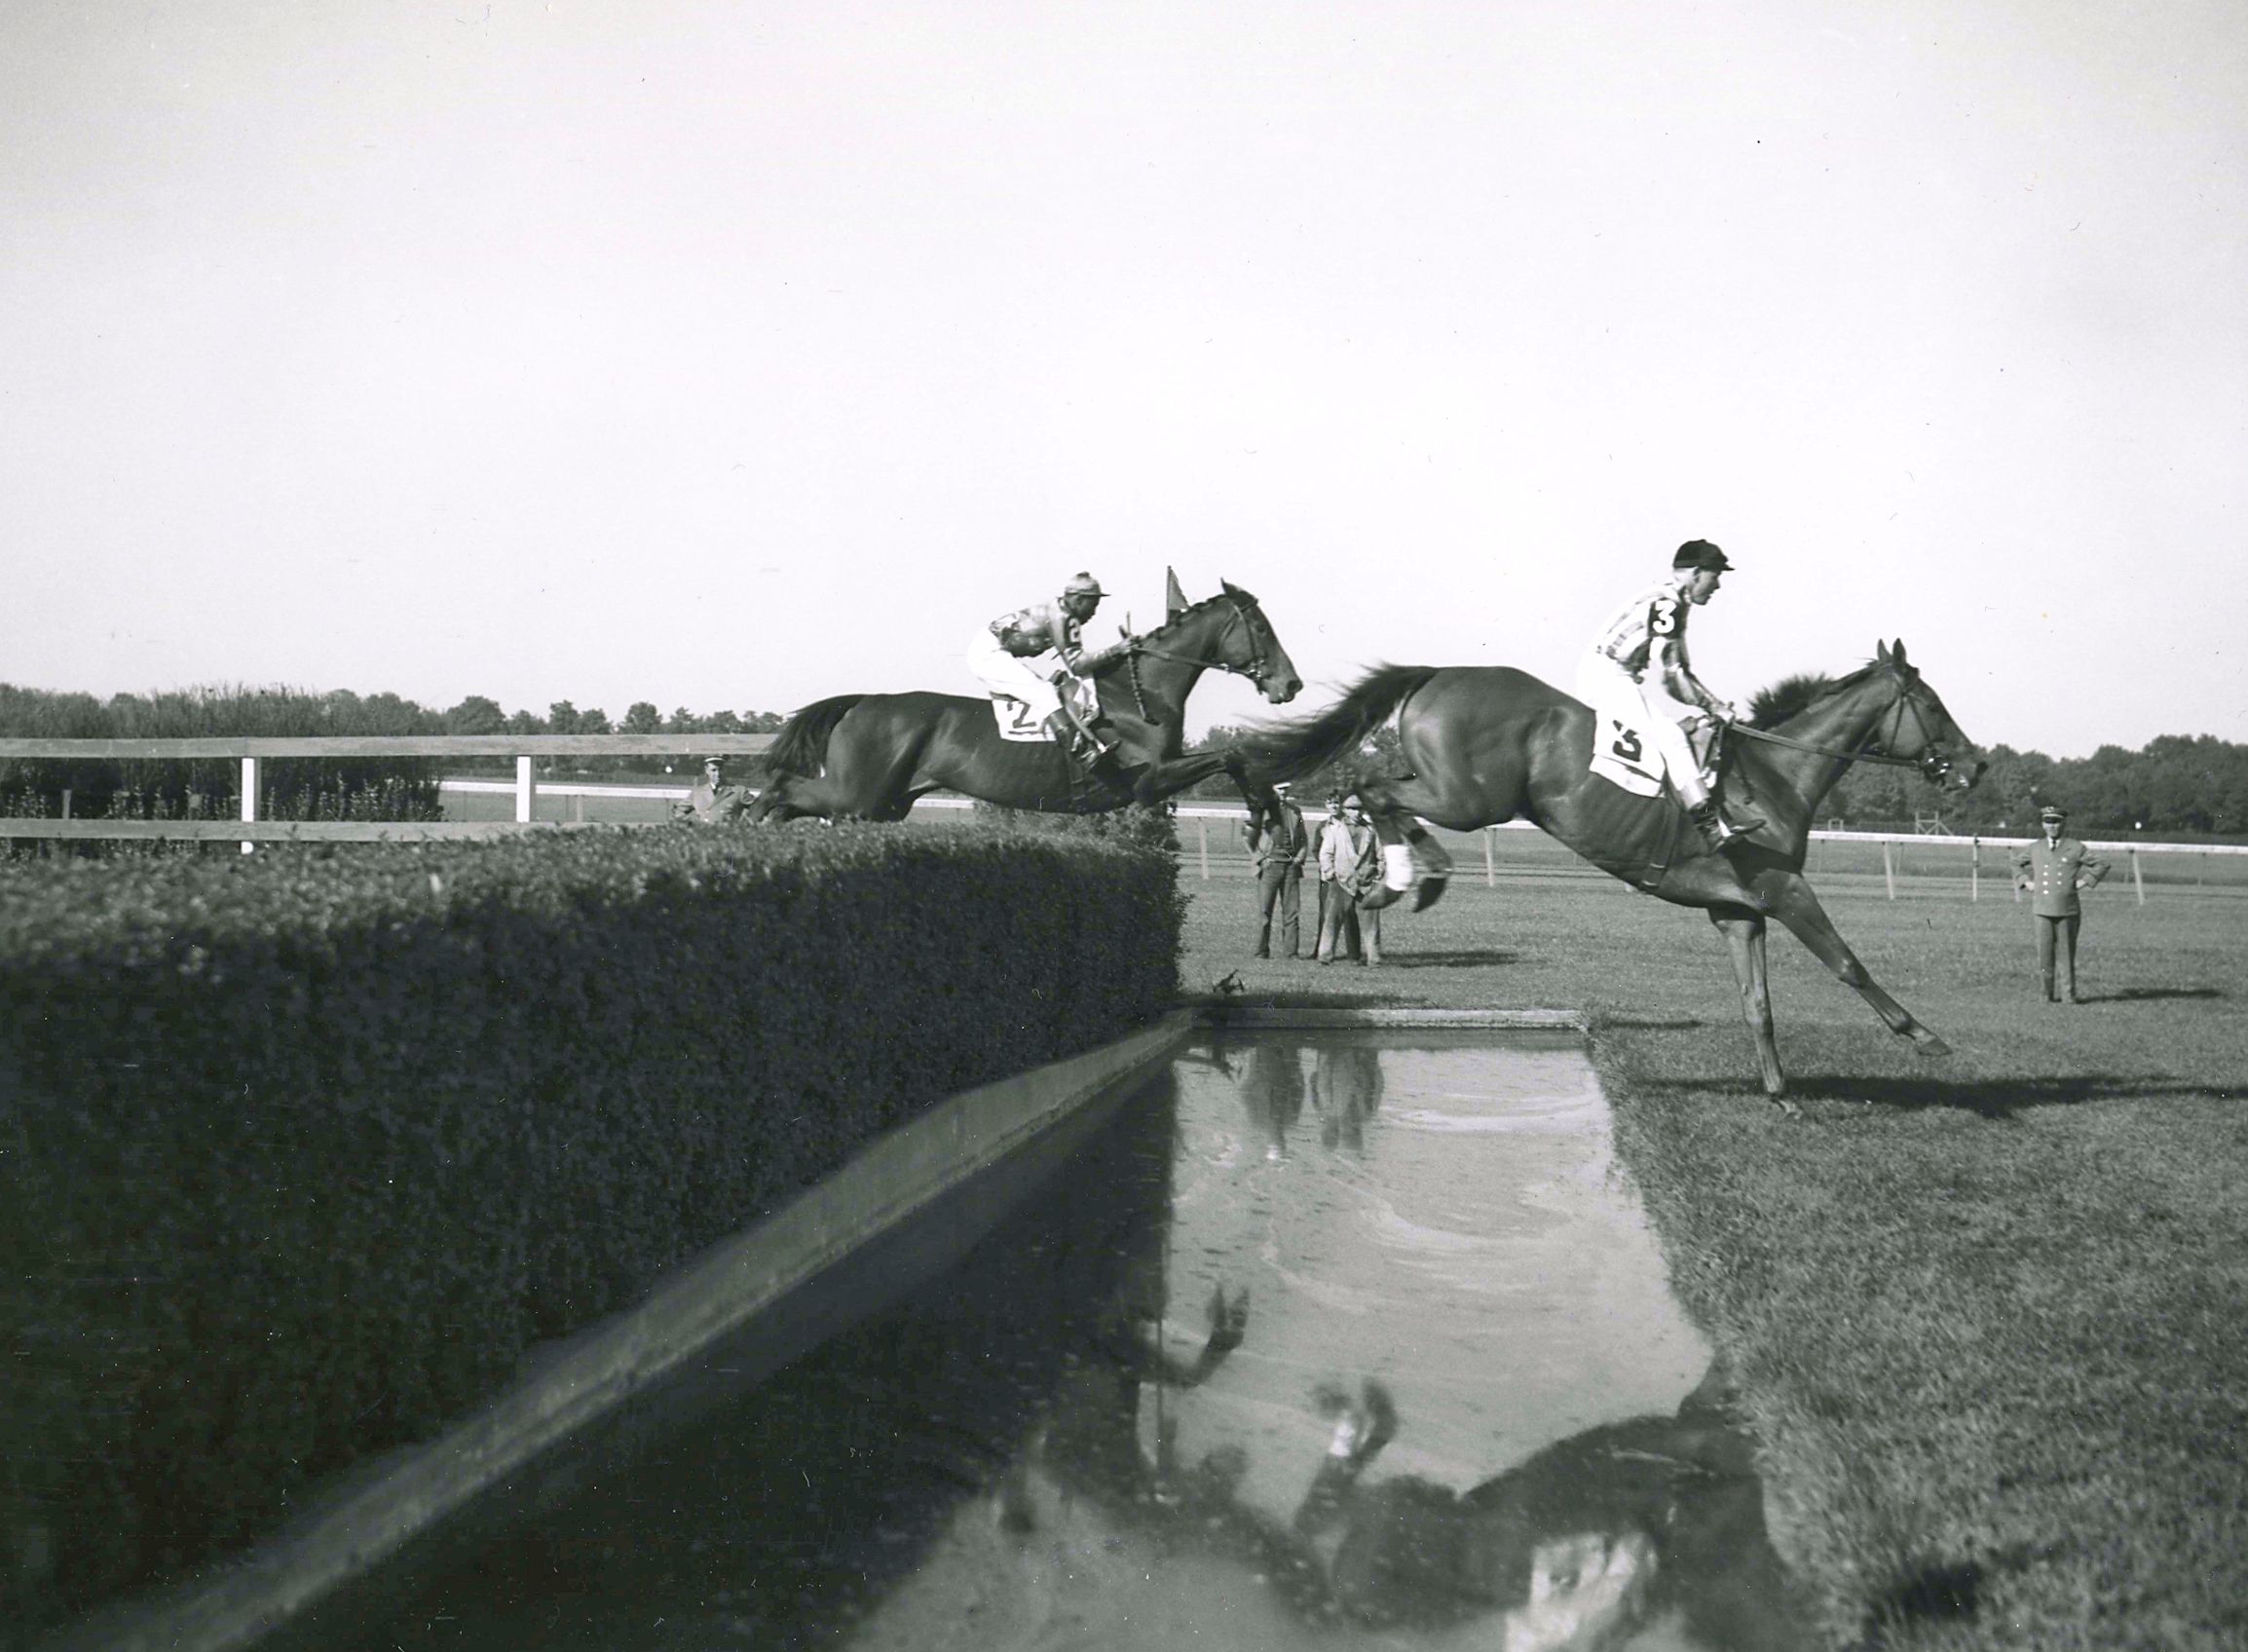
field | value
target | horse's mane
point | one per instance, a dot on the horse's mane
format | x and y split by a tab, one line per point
1791	697
1236	594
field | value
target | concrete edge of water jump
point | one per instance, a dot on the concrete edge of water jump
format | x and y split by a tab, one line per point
1217	1012
593	1376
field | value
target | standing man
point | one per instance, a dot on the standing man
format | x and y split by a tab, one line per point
1350	856
2054	870
1636	679
1279	851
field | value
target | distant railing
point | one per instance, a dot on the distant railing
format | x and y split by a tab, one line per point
528	751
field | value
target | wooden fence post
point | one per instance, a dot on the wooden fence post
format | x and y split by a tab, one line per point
1490	867
526	788
248	798
66	806
1889	866
1202	838
2137	882
1975	873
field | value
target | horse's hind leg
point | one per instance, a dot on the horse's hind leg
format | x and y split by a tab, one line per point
1795	906
1411	859
1744	932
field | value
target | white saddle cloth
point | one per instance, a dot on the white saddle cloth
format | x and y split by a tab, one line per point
1622	753
1020	720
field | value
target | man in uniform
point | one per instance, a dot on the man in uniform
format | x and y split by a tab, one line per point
2053	870
1001	652
1279	849
1640	660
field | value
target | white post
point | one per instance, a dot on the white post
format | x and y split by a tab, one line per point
1975	874
1490	868
66	807
526	789
1889	866
2135	878
1202	831
250	797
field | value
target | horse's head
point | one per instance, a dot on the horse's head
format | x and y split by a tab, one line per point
1917	727
1253	648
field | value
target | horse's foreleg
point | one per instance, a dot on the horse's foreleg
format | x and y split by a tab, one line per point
1158	781
1795	906
1744	932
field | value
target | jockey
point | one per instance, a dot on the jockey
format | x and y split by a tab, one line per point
1003	651
1640	660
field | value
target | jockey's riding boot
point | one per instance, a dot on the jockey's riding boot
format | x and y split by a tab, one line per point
1716	831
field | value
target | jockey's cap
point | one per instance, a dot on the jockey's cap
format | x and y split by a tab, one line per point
1083	585
2052	811
1283	787
1701	553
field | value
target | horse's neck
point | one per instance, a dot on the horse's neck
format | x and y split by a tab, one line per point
1165	682
1837	725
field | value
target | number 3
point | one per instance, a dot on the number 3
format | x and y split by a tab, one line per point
1627	742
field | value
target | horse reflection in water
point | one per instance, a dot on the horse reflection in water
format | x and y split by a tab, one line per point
1657	1520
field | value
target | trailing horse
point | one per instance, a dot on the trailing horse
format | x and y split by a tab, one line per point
867	756
1484	745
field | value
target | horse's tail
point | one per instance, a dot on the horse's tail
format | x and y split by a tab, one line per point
800	746
1291	750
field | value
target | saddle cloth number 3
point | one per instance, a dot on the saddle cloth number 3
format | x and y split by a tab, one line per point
1619	756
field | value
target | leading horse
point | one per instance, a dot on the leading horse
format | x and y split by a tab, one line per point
1485	744
867	757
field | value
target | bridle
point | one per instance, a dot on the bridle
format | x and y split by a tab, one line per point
1254	670
1931	762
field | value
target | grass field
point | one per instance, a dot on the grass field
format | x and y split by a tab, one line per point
1988	1310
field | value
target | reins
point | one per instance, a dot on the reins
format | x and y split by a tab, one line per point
1137	647
1864	753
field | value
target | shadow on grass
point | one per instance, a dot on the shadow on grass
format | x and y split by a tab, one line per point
2135	995
1444	960
1989	1098
1933	1593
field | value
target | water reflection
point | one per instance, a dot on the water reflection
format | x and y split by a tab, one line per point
1195	1396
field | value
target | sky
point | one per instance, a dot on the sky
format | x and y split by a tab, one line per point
735	355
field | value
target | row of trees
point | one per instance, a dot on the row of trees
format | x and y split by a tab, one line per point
2176	785
187	788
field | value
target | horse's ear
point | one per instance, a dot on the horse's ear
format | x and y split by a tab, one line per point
1174	599
1880	652
1896	650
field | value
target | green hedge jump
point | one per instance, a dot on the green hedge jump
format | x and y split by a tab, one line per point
299	1153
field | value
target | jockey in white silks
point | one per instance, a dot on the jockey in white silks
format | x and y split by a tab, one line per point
1001	655
1638	660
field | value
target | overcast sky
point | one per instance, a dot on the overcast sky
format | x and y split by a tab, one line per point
741	354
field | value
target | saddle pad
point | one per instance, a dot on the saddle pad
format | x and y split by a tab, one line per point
1021	721
1017	721
1622	754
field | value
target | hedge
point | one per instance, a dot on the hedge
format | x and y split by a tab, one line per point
299	1153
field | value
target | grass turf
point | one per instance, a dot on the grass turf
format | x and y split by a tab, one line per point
1987	1311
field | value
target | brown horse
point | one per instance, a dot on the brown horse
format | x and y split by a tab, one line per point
1487	745
867	756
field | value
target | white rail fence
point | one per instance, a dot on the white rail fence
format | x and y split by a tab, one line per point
529	752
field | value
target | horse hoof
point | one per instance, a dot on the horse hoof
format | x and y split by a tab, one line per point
1429	891
1382	895
1931	1045
1787	1108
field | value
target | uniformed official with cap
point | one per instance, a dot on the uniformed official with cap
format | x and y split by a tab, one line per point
2053	870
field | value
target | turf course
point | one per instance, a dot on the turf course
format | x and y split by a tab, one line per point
1990	1312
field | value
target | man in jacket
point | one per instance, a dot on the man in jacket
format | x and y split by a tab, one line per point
1279	849
1350	858
712	802
2054	869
